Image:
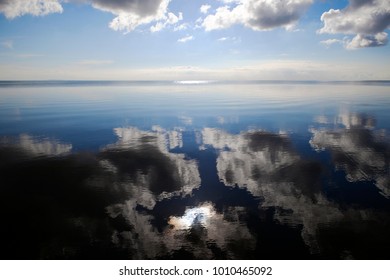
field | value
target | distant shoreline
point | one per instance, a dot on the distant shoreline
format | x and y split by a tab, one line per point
44	83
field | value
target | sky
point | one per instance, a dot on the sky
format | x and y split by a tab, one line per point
194	40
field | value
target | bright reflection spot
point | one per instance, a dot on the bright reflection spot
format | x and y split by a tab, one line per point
192	82
195	216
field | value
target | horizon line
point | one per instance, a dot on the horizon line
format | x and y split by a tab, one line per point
189	81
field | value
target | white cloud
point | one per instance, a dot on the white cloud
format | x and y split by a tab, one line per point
364	41
172	18
140	8
169	19
257	14
186	39
129	13
198	23
231	39
204	9
133	13
368	19
223	18
330	42
16	8
180	27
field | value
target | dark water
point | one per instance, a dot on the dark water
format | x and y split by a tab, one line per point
110	170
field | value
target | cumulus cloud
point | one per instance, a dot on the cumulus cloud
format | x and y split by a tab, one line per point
181	27
129	13
138	7
364	41
257	14
367	19
169	19
15	8
133	13
204	9
330	42
186	39
230	39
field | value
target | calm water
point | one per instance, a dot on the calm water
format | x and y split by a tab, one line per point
109	170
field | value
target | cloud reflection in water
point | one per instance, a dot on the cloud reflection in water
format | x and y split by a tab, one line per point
137	199
65	200
356	149
37	146
196	230
267	165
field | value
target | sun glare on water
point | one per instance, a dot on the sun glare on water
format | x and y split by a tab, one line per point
194	216
192	82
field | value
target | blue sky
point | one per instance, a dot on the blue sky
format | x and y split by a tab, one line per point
194	40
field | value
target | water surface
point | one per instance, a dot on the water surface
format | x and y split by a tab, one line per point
163	170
